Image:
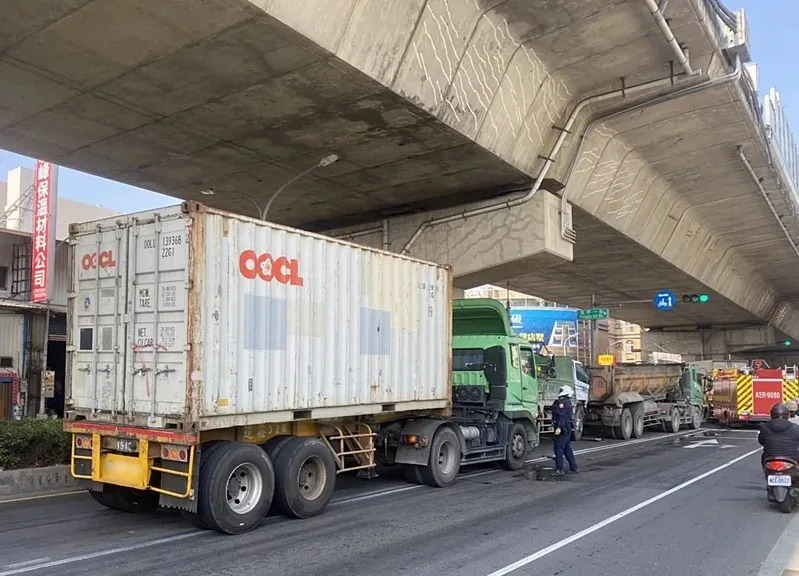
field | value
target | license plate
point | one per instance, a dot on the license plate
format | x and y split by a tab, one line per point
779	480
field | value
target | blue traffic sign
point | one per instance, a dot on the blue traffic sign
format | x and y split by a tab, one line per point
664	300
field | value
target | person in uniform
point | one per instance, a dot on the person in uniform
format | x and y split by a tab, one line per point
562	421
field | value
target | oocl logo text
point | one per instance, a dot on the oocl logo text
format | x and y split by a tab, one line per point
104	260
268	268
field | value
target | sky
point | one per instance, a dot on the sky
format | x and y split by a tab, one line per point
773	24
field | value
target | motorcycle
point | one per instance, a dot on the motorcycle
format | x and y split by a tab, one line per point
782	479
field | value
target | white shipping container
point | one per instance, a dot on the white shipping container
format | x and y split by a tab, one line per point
192	317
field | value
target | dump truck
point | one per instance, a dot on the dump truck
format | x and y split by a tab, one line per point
226	367
624	399
553	373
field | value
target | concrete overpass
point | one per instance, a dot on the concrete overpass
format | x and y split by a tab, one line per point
431	106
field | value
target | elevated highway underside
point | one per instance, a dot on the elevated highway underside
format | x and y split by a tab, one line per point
429	104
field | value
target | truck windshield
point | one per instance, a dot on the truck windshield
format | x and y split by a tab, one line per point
467	359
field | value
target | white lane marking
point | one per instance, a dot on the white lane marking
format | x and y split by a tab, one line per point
711	442
623	444
100	554
400	489
367	496
41	496
26	563
539	459
599	525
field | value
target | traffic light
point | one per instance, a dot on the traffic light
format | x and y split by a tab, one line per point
696	298
787	343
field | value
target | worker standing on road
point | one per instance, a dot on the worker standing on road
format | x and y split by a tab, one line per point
562	419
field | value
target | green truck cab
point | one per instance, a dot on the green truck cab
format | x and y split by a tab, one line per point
495	400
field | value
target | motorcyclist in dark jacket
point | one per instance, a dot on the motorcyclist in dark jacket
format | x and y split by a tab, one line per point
779	437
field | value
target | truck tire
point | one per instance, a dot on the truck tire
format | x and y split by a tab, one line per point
518	447
102	497
126	499
696	418
206	449
236	486
672	426
273	448
638	421
444	462
579	424
625	428
411	473
305	475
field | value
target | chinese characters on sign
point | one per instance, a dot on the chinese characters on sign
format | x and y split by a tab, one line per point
44	213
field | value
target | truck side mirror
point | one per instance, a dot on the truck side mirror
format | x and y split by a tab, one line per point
495	368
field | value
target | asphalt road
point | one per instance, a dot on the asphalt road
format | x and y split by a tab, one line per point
652	507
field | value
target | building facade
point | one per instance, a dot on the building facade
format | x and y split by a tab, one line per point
624	341
33	336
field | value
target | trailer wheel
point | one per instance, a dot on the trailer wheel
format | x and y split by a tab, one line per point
579	424
126	499
638	421
274	446
306	477
625	429
236	486
517	449
411	473
696	418
672	426
194	518
103	498
445	459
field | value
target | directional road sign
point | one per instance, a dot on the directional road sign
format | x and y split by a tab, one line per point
664	300
593	314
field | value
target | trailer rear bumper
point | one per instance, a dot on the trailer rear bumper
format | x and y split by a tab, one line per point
144	459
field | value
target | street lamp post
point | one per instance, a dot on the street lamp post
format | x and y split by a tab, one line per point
262	212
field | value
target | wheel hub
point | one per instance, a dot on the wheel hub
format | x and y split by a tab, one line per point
517	446
312	478
244	488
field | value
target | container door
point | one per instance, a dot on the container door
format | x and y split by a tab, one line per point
157	329
96	343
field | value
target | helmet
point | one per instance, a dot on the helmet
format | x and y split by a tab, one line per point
780	411
565	391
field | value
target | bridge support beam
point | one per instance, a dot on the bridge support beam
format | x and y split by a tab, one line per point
481	249
720	344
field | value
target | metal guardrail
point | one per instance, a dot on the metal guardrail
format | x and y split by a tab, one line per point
769	112
782	140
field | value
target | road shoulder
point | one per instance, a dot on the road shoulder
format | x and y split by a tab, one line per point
783	560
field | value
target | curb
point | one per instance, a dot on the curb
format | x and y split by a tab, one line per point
35	481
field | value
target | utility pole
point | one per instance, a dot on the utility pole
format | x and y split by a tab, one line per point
594	340
43	373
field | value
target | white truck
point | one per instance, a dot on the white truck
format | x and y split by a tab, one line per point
557	371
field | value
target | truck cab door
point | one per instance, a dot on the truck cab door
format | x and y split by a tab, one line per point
528	379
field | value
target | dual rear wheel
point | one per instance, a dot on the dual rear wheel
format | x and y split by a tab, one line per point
239	484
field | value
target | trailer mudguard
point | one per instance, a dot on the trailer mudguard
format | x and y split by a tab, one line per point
407	454
624	398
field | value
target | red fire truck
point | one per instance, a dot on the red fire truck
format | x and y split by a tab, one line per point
747	395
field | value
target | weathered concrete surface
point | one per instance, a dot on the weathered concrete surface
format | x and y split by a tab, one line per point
743	343
429	103
530	238
35	481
